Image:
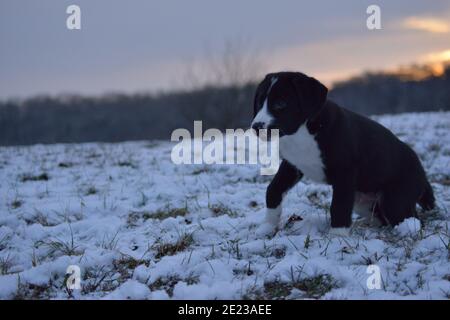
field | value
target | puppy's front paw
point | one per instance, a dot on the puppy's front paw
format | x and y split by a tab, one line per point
266	230
339	232
269	227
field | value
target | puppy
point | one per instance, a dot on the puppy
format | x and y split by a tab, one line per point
369	169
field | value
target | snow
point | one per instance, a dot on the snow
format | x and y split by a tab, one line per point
141	227
409	227
131	289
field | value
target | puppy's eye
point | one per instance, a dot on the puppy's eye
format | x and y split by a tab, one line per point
279	106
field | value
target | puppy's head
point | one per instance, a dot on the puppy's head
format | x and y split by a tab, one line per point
286	100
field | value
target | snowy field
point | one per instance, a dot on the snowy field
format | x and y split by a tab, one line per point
140	227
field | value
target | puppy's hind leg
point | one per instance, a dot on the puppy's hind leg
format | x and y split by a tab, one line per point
398	202
427	200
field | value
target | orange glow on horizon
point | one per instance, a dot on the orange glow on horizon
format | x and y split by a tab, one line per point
432	25
442	56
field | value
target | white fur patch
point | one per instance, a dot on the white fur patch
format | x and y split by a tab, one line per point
273	215
263	116
270	224
302	151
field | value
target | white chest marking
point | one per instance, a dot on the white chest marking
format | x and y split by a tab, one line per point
302	151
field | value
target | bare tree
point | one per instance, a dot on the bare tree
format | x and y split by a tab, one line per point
234	69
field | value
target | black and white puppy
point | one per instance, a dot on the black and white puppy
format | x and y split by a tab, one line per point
370	170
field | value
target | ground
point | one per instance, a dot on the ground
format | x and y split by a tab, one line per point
140	227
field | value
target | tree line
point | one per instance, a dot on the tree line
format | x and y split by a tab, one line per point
121	117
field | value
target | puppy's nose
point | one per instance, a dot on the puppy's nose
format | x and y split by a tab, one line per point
257	126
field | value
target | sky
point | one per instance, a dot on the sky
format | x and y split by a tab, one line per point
146	45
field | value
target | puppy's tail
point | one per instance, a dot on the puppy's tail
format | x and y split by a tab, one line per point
426	200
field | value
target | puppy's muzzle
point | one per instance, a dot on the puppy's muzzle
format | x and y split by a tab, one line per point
258	126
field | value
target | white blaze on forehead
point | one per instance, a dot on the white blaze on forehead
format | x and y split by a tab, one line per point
263	114
272	82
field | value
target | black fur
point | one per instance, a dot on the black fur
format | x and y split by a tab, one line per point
286	177
358	154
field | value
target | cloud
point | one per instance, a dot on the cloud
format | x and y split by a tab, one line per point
441	56
433	25
340	58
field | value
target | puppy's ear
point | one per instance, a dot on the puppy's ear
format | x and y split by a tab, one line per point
311	93
261	90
